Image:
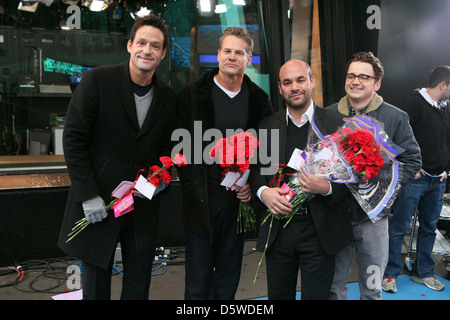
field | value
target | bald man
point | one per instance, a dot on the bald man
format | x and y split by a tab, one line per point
322	226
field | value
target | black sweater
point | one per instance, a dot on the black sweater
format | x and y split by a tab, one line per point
432	132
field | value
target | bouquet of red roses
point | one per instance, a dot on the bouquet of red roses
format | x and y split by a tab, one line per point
358	154
361	155
156	180
234	154
360	150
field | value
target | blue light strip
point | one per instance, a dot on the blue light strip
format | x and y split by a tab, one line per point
212	58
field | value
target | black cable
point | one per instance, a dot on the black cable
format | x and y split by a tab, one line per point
9	270
48	268
56	270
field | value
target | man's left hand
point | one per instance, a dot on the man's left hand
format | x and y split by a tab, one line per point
312	184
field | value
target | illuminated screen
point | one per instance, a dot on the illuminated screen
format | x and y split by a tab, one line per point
212	58
78	72
58	71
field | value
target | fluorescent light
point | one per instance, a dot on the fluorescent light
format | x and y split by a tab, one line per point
221	8
96	5
205	5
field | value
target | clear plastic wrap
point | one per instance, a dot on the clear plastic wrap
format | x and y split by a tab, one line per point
361	155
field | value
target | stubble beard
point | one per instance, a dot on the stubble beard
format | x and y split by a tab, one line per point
299	104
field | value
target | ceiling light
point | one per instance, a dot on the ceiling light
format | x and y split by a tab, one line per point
205	6
97	5
221	8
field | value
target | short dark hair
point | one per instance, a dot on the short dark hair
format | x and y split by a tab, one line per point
153	21
370	58
437	75
240	33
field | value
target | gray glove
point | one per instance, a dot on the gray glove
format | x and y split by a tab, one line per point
94	209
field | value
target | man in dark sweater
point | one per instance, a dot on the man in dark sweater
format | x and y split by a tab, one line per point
322	226
224	99
429	118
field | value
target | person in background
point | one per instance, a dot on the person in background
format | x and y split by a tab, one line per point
429	118
118	122
321	227
363	80
223	98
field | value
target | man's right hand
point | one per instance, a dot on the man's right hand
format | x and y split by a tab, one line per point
94	209
275	202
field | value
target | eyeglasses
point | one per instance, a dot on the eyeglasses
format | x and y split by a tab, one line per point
362	77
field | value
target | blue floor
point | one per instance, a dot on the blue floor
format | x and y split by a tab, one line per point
406	290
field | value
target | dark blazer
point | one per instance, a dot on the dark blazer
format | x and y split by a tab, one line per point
330	214
194	103
103	145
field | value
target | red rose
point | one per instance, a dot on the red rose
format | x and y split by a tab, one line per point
165	176
154	180
166	161
154	169
180	160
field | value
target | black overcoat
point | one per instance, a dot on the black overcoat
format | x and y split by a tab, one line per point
103	146
194	106
330	214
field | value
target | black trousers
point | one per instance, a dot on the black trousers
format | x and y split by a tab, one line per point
297	247
213	266
136	280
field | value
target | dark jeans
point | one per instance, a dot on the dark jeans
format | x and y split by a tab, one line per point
426	193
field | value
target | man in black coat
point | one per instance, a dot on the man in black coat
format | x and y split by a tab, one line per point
118	122
322	226
223	98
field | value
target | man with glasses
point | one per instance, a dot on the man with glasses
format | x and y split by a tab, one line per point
363	80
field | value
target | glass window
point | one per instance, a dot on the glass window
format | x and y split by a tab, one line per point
46	46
